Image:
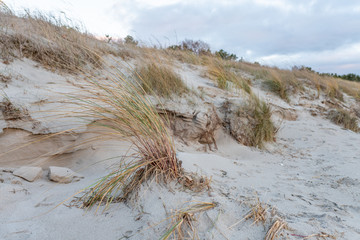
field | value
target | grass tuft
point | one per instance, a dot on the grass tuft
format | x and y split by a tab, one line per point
161	80
261	128
223	74
344	118
124	109
51	41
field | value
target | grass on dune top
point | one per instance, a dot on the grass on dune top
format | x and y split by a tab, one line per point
160	79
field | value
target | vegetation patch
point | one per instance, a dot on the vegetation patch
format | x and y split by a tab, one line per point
250	122
161	80
130	116
48	40
223	75
344	118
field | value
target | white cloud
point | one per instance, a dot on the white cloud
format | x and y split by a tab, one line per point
284	32
343	59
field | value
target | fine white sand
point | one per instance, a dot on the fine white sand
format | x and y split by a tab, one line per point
309	177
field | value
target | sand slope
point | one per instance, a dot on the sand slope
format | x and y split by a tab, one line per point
309	177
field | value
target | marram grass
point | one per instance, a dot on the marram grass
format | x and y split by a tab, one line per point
123	107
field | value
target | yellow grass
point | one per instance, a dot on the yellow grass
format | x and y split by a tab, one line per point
182	221
160	79
275	230
54	43
223	75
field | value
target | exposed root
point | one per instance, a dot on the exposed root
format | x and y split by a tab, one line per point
182	221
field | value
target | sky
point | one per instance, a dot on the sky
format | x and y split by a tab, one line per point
321	34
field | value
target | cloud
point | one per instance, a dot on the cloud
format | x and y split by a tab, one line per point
253	29
343	59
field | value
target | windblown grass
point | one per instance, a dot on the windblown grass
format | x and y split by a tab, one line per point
123	107
344	118
51	41
185	56
281	82
328	85
160	79
223	75
262	128
182	221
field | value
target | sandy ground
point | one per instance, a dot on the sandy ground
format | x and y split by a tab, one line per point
309	177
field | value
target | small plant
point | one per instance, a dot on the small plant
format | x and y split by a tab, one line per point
343	118
161	80
225	55
130	40
262	128
278	87
198	47
250	122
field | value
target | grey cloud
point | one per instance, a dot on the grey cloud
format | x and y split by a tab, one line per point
245	25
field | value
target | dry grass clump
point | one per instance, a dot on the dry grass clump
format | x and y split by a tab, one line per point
184	56
281	82
54	43
258	213
262	127
223	74
160	79
250	122
328	85
350	88
344	118
124	109
182	221
276	229
122	104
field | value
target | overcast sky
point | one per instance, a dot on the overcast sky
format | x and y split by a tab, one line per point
322	34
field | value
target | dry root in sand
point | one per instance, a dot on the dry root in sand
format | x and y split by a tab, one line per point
182	221
321	235
258	213
276	229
